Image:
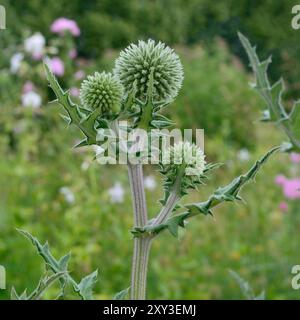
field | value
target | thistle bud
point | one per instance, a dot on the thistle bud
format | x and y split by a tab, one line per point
183	166
139	63
101	90
187	156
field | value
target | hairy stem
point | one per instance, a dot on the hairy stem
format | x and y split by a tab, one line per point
172	201
141	245
140	260
166	211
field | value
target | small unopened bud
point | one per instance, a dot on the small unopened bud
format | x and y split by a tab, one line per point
101	90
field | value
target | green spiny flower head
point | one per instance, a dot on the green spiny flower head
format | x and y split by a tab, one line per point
101	90
183	167
188	156
136	64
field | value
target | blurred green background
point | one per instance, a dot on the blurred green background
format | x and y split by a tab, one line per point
61	195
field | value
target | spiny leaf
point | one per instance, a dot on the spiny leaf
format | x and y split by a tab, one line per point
294	118
76	115
231	191
15	296
87	284
61	265
122	294
246	288
62	96
272	96
259	68
44	283
82	143
222	194
64	261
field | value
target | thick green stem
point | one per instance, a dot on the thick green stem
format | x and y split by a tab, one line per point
141	245
140	260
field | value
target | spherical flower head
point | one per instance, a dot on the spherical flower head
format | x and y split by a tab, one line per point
136	64
187	155
101	90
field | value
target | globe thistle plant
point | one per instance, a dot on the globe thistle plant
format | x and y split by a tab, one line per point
146	73
139	62
101	91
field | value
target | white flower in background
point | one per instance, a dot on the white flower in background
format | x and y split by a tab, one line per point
68	194
31	99
243	154
150	183
15	62
85	165
116	193
35	45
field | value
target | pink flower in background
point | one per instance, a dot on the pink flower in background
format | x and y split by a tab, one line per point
57	66
61	25
295	157
79	75
27	87
283	206
37	56
73	53
74	92
291	188
280	180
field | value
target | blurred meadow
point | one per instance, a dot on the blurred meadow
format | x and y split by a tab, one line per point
62	195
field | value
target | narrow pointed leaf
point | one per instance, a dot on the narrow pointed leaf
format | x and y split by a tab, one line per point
122	294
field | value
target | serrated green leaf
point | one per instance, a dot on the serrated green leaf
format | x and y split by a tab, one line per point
122	294
246	288
87	284
45	283
272	95
63	262
222	194
80	117
15	296
80	144
231	191
294	117
58	266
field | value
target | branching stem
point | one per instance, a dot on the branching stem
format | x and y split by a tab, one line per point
141	245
